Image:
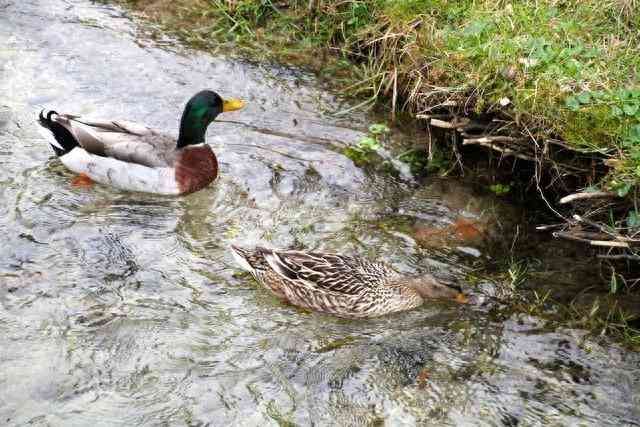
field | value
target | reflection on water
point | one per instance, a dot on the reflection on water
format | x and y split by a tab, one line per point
121	308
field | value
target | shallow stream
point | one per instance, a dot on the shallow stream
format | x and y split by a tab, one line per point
127	309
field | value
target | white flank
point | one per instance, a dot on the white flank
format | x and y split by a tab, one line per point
241	260
122	175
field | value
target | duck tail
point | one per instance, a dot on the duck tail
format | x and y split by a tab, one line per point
63	140
242	257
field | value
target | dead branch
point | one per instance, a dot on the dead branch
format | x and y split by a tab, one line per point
432	116
604	243
567	236
620	256
446	104
442	124
605	230
559	143
486	141
492	139
609	243
549	227
463	123
590	235
586	195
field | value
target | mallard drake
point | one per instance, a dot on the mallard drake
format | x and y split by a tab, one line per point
131	156
341	285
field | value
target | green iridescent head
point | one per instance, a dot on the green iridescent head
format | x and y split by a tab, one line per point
200	111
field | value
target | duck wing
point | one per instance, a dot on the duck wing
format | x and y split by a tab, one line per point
329	272
122	140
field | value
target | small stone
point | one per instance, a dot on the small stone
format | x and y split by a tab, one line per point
469	251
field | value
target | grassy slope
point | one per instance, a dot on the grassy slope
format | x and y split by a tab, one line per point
570	68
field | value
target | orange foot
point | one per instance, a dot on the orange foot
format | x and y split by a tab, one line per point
82	181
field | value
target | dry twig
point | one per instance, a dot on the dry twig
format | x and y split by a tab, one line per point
442	124
605	230
619	256
604	243
486	141
586	195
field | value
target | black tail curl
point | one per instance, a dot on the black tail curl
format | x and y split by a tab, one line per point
62	135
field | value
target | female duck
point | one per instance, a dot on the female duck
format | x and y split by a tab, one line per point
340	285
131	156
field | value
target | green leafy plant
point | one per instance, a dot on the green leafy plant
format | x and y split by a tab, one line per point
416	159
621	188
622	103
419	163
368	143
619	110
500	189
379	129
364	151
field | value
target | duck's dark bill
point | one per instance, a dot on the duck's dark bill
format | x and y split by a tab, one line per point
232	104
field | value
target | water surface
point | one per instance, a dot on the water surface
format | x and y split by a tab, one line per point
126	309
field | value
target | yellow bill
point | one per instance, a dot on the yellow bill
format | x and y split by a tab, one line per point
232	104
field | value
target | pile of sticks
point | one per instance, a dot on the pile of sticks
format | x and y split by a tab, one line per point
499	138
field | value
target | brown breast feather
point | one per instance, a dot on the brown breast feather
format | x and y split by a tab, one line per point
196	167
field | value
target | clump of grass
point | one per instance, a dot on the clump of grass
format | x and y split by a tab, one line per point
517	272
605	319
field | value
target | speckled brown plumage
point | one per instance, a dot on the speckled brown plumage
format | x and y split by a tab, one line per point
341	285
